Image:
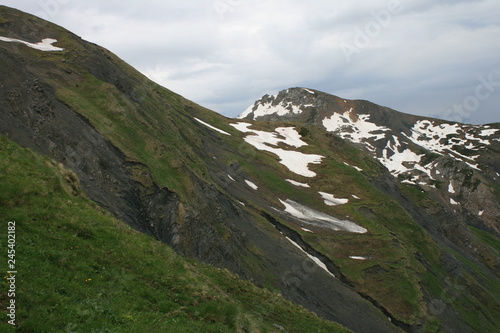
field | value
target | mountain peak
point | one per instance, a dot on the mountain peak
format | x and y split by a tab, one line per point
292	101
311	107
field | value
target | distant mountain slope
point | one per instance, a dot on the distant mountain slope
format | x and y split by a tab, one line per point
315	212
444	158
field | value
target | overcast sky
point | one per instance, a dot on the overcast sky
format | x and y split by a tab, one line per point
431	58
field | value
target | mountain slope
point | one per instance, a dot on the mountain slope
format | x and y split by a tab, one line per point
81	270
284	204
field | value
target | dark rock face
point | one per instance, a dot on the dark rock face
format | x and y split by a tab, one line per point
42	123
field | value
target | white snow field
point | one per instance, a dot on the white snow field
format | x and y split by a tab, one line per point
315	218
44	45
295	161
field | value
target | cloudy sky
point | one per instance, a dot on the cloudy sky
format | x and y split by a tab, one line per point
431	58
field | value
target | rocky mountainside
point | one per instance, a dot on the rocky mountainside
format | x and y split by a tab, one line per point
371	218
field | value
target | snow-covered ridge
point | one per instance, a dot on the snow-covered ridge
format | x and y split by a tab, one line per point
399	156
449	138
44	45
295	161
442	139
402	152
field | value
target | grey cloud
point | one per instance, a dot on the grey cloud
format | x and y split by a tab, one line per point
225	54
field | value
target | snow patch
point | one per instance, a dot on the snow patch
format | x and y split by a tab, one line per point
231	177
399	162
212	127
252	185
451	189
313	258
488	132
481	212
352	166
453	202
292	137
357	130
293	182
44	45
295	161
309	91
315	218
359	258
330	199
307	230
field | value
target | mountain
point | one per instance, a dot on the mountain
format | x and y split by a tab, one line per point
360	214
456	163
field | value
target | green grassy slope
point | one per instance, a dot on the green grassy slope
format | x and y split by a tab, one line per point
80	270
